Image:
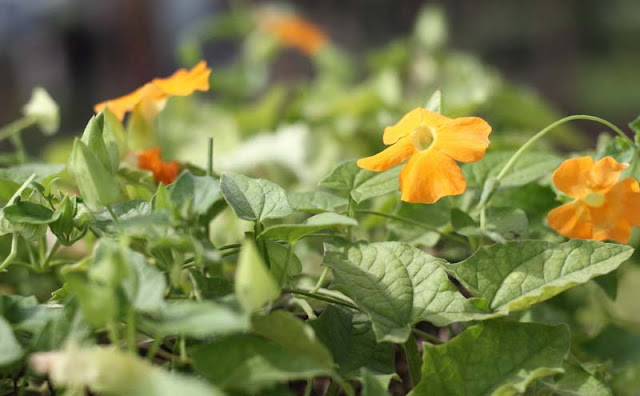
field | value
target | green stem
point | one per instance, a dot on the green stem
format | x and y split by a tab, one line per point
151	353
262	245
15	127
323	275
232	246
21	152
112	213
230	252
183	349
309	387
131	330
417	224
210	157
321	297
507	167
114	336
410	348
483	218
333	389
285	267
53	250
12	253
431	338
196	288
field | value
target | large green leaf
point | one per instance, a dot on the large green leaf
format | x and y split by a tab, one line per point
195	194
26	212
254	199
96	183
293	232
494	358
109	371
515	275
397	285
576	381
529	167
315	201
362	184
350	339
20	173
197	319
284	348
10	349
255	286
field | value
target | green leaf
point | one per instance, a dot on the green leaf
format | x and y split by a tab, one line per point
254	286
577	381
531	166
195	194
25	212
397	285
515	275
277	257
284	348
495	358
214	286
93	138
431	28
373	385
99	304
10	349
620	347
635	127
509	223
434	216
293	232
96	184
145	286
200	319
362	184
254	199
620	149
350	339
435	102
315	201
20	173
109	371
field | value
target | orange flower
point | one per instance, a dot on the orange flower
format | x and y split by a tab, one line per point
163	172
433	143
604	208
294	31
152	95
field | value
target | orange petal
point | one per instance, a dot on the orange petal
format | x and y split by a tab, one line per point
572	220
183	82
120	106
150	160
624	197
168	173
410	122
605	173
608	224
463	139
571	177
297	32
430	175
388	158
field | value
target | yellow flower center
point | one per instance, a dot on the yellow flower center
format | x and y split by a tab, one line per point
594	200
423	137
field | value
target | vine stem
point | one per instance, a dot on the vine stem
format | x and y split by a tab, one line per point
507	167
414	361
321	297
210	157
431	338
323	276
12	254
417	224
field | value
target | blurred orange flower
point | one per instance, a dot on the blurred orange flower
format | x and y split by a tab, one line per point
163	172
153	95
604	208
294	31
433	143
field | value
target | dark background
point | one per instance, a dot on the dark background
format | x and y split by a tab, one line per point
582	56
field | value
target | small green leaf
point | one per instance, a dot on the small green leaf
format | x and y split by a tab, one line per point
93	138
635	127
20	173
293	232
352	343
494	358
10	349
284	348
531	166
145	286
277	257
195	194
44	110
254	199
201	319
254	286
99	303
577	381
509	223
515	275
397	285
25	212
96	183
362	184
315	201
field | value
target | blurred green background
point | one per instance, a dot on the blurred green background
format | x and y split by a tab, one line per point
582	56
